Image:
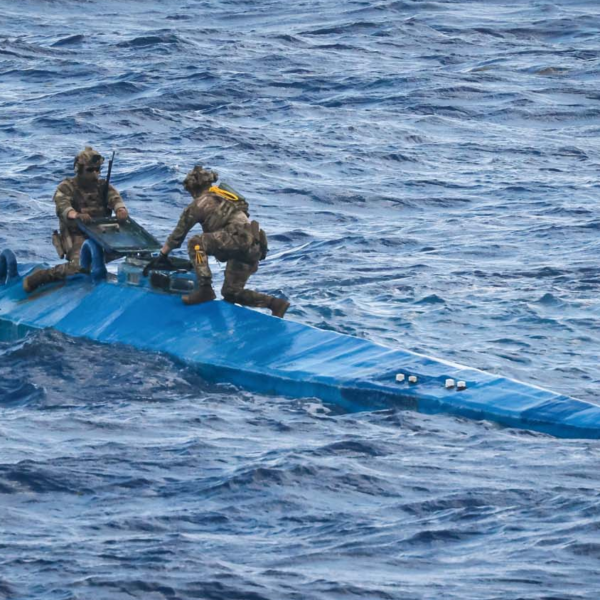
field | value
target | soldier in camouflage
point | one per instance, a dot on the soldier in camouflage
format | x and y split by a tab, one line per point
80	198
229	236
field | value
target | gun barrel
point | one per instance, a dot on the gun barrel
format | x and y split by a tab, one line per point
107	186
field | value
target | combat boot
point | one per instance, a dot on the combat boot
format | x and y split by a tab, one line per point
204	293
279	307
36	279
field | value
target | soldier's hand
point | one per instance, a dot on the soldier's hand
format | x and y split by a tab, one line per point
84	218
158	262
122	214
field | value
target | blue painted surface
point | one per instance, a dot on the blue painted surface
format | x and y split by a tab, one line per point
260	353
8	266
92	258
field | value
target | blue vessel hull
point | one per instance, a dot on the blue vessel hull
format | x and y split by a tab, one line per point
261	353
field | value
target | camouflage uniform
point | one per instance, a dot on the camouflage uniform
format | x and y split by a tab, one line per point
69	196
83	196
229	237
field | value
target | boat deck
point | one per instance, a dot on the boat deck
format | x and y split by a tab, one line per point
260	353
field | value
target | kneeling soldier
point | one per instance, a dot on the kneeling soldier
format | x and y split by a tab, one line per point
229	236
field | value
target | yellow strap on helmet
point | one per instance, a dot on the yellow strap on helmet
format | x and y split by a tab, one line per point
223	193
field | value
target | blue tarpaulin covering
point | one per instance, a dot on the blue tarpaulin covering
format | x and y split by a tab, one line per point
261	353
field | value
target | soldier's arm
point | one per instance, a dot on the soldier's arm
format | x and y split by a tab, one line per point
63	198
115	202
189	217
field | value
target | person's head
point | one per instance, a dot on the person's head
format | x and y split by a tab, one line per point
88	164
198	180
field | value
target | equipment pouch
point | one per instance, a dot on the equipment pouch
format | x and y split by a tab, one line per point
57	243
260	239
264	245
66	241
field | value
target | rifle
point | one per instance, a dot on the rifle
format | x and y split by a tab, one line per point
106	187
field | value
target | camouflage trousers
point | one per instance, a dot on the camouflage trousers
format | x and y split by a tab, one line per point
73	266
238	248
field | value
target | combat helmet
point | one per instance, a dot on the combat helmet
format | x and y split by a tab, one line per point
199	178
88	157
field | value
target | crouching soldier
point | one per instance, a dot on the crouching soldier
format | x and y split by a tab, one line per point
229	236
80	198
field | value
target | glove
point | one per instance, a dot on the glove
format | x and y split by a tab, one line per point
158	262
122	215
84	218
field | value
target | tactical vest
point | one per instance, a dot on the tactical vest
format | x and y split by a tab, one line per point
90	203
86	202
228	194
222	208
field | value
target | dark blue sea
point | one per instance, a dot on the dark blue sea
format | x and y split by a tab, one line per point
428	174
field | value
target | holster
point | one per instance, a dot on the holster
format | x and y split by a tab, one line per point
66	241
58	244
264	245
260	237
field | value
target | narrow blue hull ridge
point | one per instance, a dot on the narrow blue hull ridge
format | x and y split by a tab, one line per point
260	353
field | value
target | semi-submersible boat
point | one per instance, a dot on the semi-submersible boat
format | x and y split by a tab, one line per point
261	353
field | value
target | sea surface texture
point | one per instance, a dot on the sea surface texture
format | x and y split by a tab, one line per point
427	172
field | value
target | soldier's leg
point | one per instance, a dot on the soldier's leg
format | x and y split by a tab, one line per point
199	258
198	255
59	272
233	290
225	246
236	276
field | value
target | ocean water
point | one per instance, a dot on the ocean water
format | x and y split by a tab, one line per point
427	173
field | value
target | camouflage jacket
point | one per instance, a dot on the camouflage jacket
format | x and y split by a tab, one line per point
213	212
69	196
